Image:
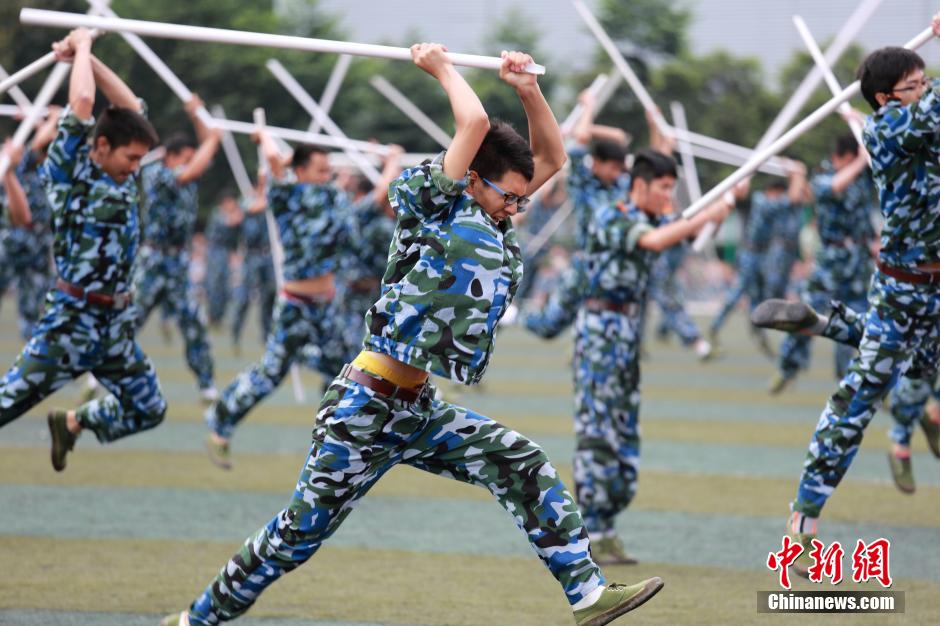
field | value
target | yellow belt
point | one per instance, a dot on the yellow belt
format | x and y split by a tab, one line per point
369	362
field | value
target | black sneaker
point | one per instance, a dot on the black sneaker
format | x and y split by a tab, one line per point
784	315
62	438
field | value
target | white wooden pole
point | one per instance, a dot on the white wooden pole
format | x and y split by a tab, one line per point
37	17
15	92
599	82
333	83
680	123
12	110
277	257
310	105
845	108
792	135
802	93
406	106
31	118
300	136
234	158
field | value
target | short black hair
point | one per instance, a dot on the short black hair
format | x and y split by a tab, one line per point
177	142
122	127
303	153
648	165
225	194
363	185
882	69
777	184
845	144
503	150
608	150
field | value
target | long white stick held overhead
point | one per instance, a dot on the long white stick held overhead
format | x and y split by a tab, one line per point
277	256
13	110
15	92
300	136
792	135
155	62
622	66
48	90
594	88
313	109
802	93
413	113
333	83
234	158
845	108
38	17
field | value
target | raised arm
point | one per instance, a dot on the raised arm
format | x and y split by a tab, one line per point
271	153
390	171
798	191
659	142
47	131
672	233
20	214
114	89
548	147
76	49
847	175
209	140
470	119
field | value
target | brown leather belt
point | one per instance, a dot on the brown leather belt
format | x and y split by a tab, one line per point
104	300
915	278
380	385
365	285
600	305
305	299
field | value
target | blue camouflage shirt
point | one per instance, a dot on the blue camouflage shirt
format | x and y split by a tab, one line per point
310	224
452	272
843	216
220	234
618	268
254	233
370	234
95	219
764	218
588	193
170	208
905	153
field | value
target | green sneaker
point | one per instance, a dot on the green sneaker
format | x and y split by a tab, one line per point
219	452
616	600
779	383
902	473
784	315
610	551
803	562
175	619
62	439
932	432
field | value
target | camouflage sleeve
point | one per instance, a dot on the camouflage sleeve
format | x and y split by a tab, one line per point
622	234
903	130
159	179
28	163
425	191
580	173
821	185
279	193
64	150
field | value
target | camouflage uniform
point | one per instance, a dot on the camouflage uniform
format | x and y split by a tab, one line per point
257	276
901	324
311	230
667	294
843	264
451	274
222	240
27	251
589	196
162	274
362	263
607	369
97	231
784	250
758	233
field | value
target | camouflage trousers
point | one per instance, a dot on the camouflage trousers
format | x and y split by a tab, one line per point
908	398
839	274
25	261
749	282
257	280
164	279
217	284
345	339
901	336
776	268
72	338
607	411
562	307
296	324
357	438
667	294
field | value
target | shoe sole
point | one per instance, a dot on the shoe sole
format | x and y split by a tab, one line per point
616	561
215	460
786	316
901	487
53	433
651	589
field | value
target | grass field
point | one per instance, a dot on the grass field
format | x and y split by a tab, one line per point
134	530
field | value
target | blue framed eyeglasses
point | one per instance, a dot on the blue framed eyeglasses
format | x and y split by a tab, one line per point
510	198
